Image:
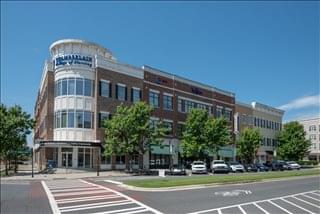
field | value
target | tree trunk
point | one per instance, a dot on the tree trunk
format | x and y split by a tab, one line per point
6	166
15	165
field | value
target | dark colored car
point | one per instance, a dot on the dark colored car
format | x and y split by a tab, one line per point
250	167
262	168
277	165
177	170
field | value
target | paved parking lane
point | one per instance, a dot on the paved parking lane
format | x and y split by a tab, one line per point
301	203
79	196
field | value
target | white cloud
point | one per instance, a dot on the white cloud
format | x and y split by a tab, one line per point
302	102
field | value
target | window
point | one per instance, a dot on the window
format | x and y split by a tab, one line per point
79	119
263	142
135	95
180	129
71	86
167	102
268	142
255	121
58	119
312	128
64	83
312	137
154	99
218	111
63	119
70	119
168	126
59	88
87	120
88	87
121	92
79	86
154	123
105	88
120	159
105	160
102	117
181	105
228	114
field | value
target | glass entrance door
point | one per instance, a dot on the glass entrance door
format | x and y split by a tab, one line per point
66	159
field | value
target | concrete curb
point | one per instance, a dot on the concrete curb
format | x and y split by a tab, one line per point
201	186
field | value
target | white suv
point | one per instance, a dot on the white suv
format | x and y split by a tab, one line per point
198	167
219	166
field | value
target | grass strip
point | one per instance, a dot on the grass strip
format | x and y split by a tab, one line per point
217	179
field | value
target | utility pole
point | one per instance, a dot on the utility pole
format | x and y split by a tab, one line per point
98	164
32	163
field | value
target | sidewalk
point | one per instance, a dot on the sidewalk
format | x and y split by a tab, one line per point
63	174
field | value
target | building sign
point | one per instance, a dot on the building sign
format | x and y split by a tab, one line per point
196	91
73	59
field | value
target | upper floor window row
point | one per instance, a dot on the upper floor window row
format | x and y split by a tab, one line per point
185	106
74	86
262	123
121	91
73	119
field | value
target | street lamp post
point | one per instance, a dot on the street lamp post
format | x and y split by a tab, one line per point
32	163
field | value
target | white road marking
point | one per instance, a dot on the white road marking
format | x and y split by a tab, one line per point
52	202
137	211
289	202
92	204
316	192
122	210
255	203
281	208
306	202
99	206
125	196
73	190
310	197
80	193
113	182
259	207
88	199
242	210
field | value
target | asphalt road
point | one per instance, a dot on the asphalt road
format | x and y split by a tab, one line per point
195	200
23	197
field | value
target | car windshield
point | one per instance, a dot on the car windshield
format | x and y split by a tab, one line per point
291	162
218	162
198	163
234	163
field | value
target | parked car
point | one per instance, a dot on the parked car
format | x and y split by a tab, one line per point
177	170
198	167
219	166
277	165
293	165
250	168
236	167
261	167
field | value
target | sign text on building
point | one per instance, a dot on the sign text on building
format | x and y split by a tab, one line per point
73	59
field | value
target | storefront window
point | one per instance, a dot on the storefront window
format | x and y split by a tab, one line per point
120	159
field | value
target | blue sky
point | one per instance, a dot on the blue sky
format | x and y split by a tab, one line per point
262	51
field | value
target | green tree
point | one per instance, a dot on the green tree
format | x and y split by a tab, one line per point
293	144
248	144
15	126
129	131
217	132
194	139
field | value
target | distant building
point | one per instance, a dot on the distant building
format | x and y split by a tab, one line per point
312	129
265	118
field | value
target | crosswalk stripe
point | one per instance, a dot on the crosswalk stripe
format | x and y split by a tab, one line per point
73	190
242	210
137	211
92	204
80	193
310	197
98	206
122	210
88	199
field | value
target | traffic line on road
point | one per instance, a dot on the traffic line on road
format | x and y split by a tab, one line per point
53	204
272	201
83	196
